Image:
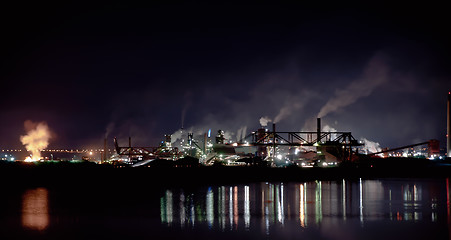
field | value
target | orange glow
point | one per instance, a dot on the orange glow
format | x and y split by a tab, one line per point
35	213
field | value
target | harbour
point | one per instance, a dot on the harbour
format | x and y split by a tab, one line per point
346	208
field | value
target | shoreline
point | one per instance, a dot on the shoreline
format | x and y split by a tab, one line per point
82	174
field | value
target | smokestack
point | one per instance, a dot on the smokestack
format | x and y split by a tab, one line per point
448	124
205	143
318	129
273	141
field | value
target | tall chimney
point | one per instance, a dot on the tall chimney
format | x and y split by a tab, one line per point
448	124
318	129
274	135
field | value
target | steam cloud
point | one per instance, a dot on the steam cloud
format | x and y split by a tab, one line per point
37	138
176	136
370	146
286	111
375	74
187	101
241	133
328	128
264	121
109	129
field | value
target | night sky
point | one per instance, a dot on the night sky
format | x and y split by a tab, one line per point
90	70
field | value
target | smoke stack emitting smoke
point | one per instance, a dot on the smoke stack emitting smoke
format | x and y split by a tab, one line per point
284	112
264	121
36	140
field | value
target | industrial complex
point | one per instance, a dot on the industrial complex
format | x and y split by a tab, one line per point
262	147
268	148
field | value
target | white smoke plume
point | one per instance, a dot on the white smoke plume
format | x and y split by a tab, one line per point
327	128
109	129
176	136
228	135
370	146
187	103
37	138
286	111
241	133
264	121
375	74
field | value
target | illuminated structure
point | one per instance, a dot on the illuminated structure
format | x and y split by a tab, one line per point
307	149
147	153
266	145
339	144
433	149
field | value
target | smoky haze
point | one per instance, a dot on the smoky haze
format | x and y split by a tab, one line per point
374	75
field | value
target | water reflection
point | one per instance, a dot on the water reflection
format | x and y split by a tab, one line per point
310	204
35	213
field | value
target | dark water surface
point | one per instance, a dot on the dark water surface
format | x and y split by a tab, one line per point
343	209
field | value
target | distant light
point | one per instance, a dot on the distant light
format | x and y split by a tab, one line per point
279	157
